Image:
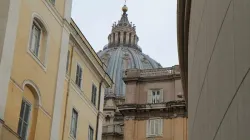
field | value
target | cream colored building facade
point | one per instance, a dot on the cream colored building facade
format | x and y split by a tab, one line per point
43	93
154	108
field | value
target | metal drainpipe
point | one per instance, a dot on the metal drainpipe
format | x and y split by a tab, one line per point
67	96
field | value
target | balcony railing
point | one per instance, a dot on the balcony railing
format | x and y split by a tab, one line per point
118	129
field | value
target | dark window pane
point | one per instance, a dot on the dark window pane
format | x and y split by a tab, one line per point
19	127
27	112
24	131
22	109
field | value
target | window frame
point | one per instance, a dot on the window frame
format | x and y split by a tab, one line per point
160	127
93	132
53	2
36	25
81	77
42	62
93	101
28	119
72	133
151	97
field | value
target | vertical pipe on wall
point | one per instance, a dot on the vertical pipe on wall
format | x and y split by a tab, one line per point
67	94
98	114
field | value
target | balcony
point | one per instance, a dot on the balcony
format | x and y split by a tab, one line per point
112	130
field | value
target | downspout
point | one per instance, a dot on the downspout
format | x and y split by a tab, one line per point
67	96
98	108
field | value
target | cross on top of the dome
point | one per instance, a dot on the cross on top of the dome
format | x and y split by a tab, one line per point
124	19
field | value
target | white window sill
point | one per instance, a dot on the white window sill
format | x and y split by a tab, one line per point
37	61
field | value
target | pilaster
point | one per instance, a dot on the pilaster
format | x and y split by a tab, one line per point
8	29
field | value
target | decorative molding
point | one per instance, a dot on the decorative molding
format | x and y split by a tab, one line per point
6	127
127	118
37	91
169	110
90	55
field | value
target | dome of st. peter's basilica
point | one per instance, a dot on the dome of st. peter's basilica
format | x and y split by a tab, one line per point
123	52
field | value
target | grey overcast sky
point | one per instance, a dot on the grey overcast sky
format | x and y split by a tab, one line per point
155	22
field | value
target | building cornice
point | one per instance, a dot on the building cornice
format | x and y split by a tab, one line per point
151	75
85	48
169	110
183	19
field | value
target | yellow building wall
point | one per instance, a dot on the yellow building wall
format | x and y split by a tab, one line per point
173	129
25	67
89	76
60	6
80	98
13	106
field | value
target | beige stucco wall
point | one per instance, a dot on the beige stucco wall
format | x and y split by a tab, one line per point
218	74
173	129
171	88
80	98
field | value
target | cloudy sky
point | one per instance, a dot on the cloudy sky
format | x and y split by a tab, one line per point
155	21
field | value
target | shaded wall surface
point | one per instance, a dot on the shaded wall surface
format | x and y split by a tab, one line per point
218	74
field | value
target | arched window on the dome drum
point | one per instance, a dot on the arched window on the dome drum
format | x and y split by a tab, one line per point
119	39
124	37
130	38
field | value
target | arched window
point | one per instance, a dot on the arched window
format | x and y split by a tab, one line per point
38	39
28	110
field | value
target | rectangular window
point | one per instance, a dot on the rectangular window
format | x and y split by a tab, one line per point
35	39
91	133
155	96
93	97
67	62
24	120
73	127
154	127
79	76
52	1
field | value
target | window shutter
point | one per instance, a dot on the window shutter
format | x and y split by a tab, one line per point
80	73
33	39
161	96
160	126
148	128
152	127
149	96
77	73
157	126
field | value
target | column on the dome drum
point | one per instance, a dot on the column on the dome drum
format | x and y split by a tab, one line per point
132	39
116	38
110	38
124	37
127	39
121	37
113	38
